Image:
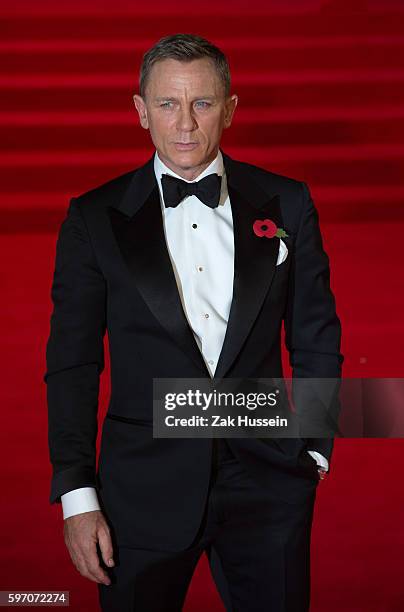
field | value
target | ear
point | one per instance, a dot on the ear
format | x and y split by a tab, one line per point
230	107
142	111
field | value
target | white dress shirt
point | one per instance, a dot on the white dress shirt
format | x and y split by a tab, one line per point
200	243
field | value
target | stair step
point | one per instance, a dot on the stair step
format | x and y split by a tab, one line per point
243	116
39	212
126	24
96	57
260	156
250	78
327	197
274	133
80	178
21	46
88	96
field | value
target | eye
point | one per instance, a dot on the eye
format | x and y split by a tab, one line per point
165	104
202	104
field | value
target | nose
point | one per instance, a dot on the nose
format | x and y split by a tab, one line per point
186	121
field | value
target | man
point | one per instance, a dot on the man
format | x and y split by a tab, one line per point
165	258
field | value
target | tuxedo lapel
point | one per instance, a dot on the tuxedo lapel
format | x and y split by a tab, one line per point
254	258
137	224
138	228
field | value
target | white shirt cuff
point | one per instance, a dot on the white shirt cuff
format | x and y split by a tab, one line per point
79	500
320	459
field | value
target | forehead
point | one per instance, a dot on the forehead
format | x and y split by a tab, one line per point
170	75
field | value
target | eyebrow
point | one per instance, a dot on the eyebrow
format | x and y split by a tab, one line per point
166	98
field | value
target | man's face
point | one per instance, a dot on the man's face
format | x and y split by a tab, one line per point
186	110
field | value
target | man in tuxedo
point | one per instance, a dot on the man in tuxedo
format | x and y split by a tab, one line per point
165	259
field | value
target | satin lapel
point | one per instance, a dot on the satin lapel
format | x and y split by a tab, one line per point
254	259
142	243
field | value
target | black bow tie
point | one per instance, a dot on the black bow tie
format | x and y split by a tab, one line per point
206	189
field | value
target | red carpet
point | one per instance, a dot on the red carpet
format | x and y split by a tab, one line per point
320	89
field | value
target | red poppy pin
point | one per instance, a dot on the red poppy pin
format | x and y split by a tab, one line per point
267	228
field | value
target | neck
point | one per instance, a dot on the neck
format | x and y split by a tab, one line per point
189	173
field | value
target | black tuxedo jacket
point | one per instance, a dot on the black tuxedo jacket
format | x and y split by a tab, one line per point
113	272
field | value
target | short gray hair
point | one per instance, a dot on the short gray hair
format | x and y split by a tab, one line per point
185	48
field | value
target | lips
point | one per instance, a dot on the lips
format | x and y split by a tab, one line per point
185	146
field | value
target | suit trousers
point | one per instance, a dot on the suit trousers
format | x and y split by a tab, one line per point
258	548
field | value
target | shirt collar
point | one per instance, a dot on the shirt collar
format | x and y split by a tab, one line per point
215	166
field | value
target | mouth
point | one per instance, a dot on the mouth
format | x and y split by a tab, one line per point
185	146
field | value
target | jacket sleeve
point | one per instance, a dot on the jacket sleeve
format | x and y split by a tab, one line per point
312	327
74	357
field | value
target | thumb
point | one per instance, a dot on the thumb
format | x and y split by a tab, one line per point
104	540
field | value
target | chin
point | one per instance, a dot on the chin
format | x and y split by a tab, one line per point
187	159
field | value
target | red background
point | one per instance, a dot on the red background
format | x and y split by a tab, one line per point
320	88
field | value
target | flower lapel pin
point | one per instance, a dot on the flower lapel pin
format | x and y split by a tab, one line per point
267	228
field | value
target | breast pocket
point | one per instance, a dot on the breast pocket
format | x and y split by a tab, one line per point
282	271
